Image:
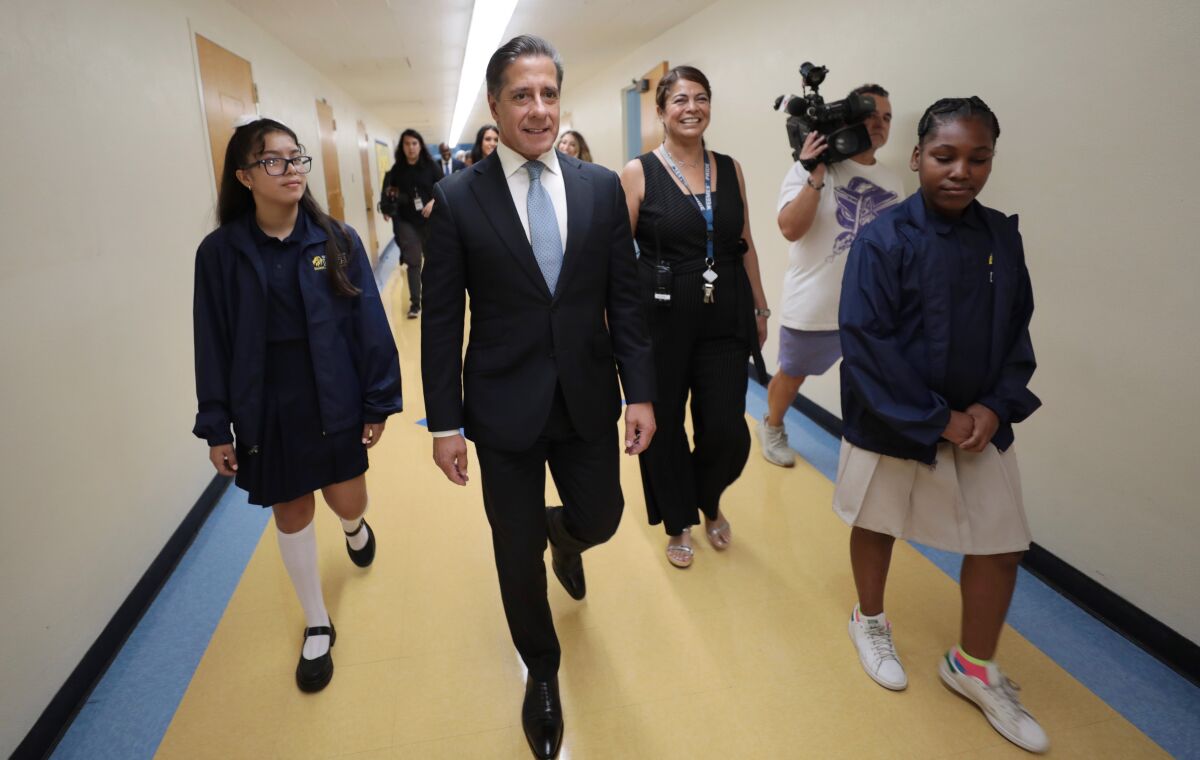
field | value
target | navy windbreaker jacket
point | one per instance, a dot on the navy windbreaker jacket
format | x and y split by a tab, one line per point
895	330
355	364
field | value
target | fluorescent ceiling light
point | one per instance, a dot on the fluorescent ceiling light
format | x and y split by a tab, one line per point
489	20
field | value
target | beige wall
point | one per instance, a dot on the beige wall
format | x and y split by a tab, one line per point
109	190
1098	111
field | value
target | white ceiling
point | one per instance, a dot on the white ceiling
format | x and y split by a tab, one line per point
401	59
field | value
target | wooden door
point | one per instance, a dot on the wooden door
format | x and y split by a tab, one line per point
652	135
327	128
229	93
364	152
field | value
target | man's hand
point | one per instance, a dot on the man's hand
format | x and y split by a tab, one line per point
639	427
959	429
986	423
814	145
224	459
450	455
372	432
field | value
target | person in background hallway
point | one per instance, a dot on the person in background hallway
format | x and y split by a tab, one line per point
708	314
411	181
820	213
448	165
464	156
934	318
573	144
541	243
281	290
486	140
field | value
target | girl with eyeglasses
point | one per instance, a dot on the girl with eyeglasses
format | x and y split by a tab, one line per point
934	319
294	352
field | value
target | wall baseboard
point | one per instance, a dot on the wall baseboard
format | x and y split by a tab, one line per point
1150	634
56	718
1165	644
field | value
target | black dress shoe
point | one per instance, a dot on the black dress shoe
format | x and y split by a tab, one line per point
314	675
366	555
541	716
568	568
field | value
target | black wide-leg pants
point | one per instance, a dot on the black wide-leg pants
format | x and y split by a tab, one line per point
697	353
587	476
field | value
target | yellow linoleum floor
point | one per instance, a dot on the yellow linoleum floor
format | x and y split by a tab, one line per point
744	655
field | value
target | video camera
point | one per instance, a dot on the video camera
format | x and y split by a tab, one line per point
840	121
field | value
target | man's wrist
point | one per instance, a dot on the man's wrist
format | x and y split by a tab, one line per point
443	433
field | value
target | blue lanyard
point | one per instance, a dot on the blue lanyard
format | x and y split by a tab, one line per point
706	210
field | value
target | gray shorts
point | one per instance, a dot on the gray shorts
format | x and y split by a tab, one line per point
808	352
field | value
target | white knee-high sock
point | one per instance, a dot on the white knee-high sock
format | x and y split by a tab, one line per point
299	551
358	541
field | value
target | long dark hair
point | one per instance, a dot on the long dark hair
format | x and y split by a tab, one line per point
584	153
424	160
477	149
235	200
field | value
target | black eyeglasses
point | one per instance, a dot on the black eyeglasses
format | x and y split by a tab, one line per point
277	167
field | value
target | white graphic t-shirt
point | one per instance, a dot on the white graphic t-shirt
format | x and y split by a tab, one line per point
853	196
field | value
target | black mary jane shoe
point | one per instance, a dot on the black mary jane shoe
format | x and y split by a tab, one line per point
542	717
314	675
366	555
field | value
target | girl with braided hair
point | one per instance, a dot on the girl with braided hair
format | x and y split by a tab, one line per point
934	319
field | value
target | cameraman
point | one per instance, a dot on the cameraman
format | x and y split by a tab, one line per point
820	214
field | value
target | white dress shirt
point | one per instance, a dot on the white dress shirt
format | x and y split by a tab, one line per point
513	165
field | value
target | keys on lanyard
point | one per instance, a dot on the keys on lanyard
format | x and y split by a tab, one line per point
709	287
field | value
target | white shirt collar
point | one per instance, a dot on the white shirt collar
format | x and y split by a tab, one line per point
513	162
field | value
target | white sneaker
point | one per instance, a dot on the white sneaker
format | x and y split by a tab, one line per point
873	640
999	703
774	443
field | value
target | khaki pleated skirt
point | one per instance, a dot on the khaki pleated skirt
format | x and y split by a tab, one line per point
966	503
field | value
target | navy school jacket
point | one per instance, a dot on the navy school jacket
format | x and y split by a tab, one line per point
894	319
355	363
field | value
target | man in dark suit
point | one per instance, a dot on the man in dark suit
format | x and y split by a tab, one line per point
548	323
448	165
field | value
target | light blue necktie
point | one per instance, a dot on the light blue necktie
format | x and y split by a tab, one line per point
543	226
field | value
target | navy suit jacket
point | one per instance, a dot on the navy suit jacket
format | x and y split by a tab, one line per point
524	340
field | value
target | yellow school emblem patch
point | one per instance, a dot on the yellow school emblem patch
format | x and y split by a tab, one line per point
318	263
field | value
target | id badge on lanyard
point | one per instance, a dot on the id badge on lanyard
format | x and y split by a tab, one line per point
709	287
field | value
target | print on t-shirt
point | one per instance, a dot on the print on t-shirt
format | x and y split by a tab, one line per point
858	204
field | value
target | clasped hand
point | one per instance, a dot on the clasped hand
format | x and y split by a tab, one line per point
973	429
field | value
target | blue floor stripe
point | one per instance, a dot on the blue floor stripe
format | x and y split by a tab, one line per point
1161	703
127	714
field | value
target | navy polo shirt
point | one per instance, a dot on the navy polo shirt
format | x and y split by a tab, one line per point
286	318
972	300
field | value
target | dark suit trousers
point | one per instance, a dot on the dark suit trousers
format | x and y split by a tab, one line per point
587	475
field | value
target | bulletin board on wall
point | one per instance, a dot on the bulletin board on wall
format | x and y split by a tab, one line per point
383	157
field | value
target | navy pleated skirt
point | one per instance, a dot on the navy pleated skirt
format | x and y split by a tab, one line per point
295	456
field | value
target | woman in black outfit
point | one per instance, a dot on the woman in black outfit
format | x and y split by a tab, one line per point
486	140
411	180
707	313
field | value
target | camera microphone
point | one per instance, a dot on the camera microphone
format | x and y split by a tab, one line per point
791	105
